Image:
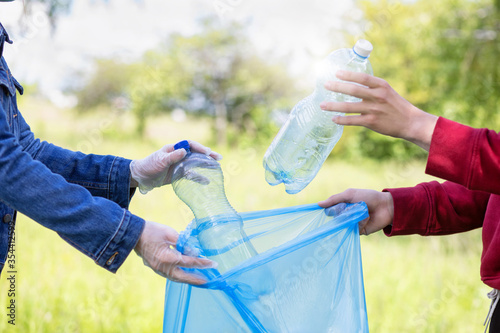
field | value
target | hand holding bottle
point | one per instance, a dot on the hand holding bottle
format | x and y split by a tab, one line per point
382	109
153	171
306	139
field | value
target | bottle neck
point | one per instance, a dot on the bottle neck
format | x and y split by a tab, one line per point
357	57
210	210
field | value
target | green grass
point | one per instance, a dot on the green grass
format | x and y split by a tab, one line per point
412	284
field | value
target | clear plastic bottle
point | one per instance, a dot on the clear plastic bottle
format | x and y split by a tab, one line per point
198	181
306	139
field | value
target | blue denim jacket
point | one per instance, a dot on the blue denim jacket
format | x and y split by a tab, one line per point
84	198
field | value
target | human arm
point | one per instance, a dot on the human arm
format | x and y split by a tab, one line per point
382	109
426	209
98	227
103	176
465	155
111	177
457	153
435	208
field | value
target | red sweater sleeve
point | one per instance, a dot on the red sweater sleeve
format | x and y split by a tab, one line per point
436	209
470	160
466	156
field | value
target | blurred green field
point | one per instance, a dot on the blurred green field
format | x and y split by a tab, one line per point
413	284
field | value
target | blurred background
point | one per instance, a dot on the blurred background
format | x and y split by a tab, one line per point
126	77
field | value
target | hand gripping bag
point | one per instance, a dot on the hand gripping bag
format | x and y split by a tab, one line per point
307	277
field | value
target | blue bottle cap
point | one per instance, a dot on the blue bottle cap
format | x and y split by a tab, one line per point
183	144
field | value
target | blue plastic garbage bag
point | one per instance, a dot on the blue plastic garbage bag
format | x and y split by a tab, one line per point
307	277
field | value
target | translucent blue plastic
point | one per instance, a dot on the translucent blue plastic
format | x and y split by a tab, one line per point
306	139
306	277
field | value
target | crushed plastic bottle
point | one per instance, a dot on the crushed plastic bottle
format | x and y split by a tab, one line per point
306	139
199	182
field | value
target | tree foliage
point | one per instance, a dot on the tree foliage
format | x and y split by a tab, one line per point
215	73
441	56
108	82
160	84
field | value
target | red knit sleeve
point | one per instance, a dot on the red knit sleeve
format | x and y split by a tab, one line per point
465	155
436	209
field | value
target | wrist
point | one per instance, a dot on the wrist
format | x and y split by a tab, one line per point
140	241
133	182
390	207
421	128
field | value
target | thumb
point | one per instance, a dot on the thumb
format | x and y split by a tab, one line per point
173	157
345	196
363	227
171	236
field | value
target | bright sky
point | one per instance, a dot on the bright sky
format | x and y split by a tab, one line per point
126	28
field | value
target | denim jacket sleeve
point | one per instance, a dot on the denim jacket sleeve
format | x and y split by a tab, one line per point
33	182
104	176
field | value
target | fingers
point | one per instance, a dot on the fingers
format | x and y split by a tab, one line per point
350	120
192	262
359	85
172	260
216	156
196	177
345	107
173	157
178	275
170	235
168	257
346	196
195	146
198	147
209	164
364	119
361	78
363	227
349	89
167	148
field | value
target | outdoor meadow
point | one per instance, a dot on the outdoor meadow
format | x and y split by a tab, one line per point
412	284
212	88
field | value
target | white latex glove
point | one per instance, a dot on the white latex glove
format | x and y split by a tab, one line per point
156	247
152	171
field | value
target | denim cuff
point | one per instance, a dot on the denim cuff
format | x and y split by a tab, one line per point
121	243
119	182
